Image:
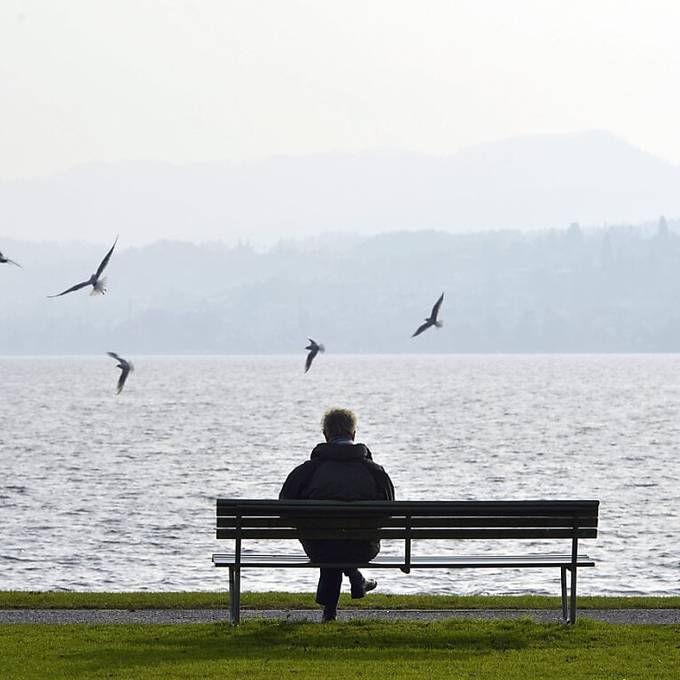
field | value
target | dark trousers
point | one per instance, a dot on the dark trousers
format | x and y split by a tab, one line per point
330	579
330	582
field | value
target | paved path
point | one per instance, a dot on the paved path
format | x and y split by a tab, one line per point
171	616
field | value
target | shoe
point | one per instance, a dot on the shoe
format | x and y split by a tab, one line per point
360	588
329	614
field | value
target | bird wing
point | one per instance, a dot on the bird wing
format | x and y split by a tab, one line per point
13	262
421	328
78	286
113	355
437	305
123	377
310	358
106	259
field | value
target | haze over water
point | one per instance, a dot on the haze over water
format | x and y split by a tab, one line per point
117	493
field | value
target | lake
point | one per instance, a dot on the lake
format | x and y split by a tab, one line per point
116	492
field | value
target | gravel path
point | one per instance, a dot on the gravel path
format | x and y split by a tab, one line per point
172	616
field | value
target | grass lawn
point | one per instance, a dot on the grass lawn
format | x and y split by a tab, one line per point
507	650
278	600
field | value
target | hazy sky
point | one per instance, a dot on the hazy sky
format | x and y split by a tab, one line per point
181	81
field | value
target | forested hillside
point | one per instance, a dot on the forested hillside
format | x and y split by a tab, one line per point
613	289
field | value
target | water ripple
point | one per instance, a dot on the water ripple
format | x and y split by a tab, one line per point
119	495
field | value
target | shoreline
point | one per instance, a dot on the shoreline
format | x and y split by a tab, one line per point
289	601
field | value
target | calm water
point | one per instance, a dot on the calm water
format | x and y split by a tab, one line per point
101	492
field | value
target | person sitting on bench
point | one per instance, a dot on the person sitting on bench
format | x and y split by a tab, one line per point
339	470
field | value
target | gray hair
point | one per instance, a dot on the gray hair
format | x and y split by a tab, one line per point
338	421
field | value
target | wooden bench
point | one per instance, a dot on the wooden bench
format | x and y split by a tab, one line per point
407	521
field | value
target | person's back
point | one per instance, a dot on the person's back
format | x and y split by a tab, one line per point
339	470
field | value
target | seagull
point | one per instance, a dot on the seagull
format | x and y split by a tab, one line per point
97	283
314	348
5	260
432	319
125	368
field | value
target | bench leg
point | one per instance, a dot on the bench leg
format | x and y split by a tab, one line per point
563	580
572	603
234	596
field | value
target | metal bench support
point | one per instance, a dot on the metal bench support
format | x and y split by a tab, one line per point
234	595
573	569
568	594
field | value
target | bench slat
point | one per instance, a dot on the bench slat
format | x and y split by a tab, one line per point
358	521
391	562
415	534
585	508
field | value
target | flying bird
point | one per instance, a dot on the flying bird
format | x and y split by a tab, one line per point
314	348
5	260
125	368
432	319
96	281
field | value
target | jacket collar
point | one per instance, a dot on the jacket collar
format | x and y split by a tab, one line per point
340	451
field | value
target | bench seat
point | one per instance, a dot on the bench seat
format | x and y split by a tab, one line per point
397	561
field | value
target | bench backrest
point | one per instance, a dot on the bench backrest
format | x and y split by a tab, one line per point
410	520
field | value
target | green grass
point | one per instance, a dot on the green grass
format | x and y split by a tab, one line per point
511	650
276	600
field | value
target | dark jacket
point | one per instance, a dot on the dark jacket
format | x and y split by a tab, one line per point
339	472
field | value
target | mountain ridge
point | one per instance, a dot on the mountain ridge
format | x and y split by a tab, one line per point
533	182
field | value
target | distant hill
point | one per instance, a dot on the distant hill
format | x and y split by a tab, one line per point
524	183
612	289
